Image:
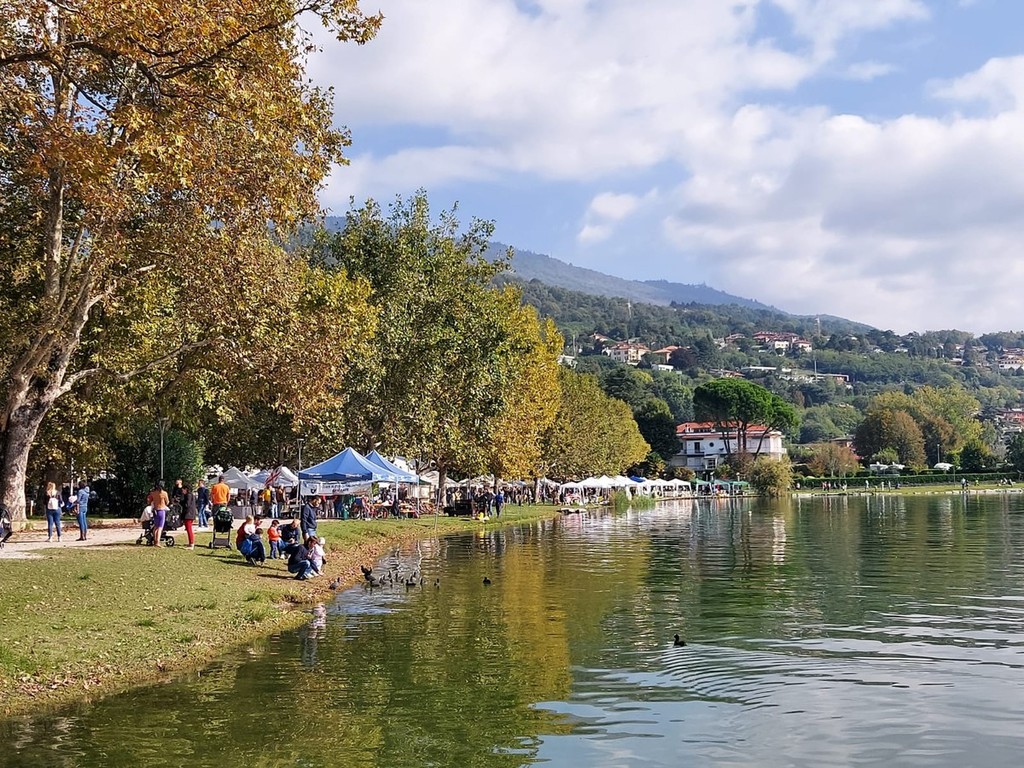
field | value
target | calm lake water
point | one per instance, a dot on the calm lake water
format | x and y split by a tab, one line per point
884	631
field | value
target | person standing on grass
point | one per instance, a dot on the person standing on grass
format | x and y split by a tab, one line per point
52	511
82	508
203	504
158	500
309	517
274	538
189	513
220	494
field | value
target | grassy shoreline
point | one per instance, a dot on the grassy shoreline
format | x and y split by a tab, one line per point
92	622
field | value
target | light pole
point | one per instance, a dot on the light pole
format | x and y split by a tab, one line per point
164	422
299	441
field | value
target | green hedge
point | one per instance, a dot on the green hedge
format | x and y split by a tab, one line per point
929	478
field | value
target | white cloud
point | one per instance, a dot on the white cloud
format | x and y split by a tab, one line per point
912	222
865	71
908	222
579	91
999	84
825	22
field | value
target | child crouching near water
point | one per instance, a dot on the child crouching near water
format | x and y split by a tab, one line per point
317	556
274	537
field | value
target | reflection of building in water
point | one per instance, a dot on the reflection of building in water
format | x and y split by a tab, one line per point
778	540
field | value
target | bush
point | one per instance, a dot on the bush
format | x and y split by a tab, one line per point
770	477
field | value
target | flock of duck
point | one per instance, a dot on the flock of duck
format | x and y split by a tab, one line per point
414	579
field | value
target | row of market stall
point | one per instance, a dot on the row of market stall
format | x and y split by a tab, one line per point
349	472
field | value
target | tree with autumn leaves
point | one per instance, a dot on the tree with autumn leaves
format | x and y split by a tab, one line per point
146	178
150	198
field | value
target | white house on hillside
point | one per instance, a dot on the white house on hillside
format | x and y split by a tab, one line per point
702	447
626	352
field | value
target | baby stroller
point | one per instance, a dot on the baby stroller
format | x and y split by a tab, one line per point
222	520
6	525
146	537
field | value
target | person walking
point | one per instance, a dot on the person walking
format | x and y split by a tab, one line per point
82	509
161	503
52	511
189	513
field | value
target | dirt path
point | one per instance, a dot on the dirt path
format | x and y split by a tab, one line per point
27	544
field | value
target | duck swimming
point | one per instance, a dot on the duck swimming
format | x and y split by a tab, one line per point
487	582
678	642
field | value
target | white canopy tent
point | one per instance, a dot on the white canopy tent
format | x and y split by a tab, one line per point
282	477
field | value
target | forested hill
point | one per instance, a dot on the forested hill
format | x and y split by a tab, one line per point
590	299
535	266
580	313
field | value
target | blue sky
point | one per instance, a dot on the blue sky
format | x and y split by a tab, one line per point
862	158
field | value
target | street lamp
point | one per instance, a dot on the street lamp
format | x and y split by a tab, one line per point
164	422
299	442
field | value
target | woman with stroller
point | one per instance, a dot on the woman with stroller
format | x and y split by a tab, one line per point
161	503
52	511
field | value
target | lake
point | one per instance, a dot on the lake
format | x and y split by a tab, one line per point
878	630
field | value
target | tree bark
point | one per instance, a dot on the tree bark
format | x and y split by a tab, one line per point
23	421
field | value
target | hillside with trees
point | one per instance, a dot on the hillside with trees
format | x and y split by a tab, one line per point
918	399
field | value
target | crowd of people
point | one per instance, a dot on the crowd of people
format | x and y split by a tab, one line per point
296	540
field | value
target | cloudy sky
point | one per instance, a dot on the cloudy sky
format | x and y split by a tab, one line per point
862	158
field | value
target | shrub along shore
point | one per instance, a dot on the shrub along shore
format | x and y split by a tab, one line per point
90	622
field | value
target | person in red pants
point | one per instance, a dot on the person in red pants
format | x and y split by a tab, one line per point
189	513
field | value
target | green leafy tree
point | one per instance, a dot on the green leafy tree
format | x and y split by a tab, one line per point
627	384
1015	452
733	406
771	477
136	467
592	434
975	456
658	428
884	428
460	372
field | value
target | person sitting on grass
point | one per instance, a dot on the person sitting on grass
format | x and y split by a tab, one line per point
250	545
290	533
298	561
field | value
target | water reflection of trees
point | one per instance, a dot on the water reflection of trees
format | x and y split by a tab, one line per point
453	675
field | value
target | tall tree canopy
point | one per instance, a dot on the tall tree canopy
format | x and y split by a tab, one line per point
593	433
141	160
736	405
889	429
461	373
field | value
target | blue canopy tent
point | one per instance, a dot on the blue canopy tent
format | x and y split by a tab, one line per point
346	467
401	476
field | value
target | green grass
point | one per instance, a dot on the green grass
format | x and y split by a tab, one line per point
107	618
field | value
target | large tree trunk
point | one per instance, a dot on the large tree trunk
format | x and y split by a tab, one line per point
23	420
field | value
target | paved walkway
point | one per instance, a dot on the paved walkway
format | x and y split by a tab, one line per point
26	544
